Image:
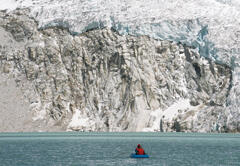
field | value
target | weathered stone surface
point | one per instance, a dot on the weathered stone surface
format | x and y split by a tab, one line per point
102	81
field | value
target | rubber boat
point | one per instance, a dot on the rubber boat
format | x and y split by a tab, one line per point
133	155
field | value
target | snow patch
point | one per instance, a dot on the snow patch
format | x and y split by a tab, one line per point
8	5
169	113
172	111
79	121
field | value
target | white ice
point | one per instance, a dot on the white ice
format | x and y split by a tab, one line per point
8	5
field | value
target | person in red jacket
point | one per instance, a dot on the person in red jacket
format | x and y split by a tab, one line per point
139	150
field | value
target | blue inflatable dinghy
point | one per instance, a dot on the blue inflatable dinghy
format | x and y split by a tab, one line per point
133	155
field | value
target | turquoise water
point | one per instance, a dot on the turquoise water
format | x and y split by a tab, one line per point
166	149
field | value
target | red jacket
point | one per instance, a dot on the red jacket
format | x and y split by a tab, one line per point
140	151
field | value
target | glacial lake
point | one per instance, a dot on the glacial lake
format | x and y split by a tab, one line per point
107	149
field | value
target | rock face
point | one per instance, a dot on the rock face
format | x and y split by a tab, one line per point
103	81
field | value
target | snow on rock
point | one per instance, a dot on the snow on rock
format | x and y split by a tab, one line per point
211	26
172	111
79	122
71	52
169	114
8	5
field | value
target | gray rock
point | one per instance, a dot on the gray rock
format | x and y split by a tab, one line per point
102	81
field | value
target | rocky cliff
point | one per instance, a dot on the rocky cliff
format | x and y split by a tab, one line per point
100	80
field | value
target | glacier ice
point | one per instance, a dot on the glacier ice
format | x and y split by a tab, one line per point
209	25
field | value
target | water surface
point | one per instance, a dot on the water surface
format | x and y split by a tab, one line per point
166	149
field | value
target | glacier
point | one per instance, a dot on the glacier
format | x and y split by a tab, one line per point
210	27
